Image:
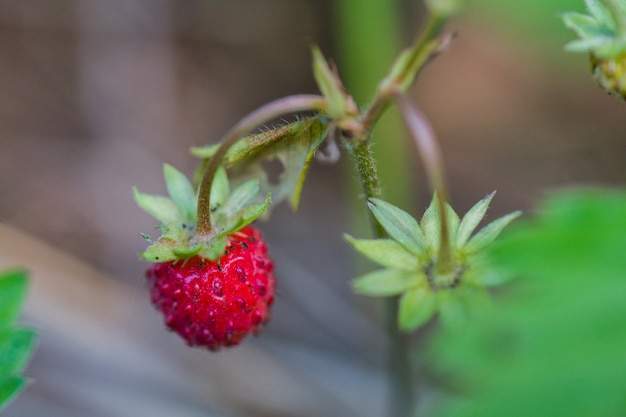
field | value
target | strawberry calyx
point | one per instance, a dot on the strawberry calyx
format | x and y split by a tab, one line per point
178	215
410	258
602	33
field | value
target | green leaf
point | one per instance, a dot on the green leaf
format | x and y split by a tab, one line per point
180	190
13	287
292	146
220	189
16	345
399	224
490	232
161	208
387	282
385	252
417	306
559	330
9	388
471	220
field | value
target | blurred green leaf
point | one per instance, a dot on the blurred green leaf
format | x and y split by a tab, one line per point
555	345
13	286
9	388
16	343
15	348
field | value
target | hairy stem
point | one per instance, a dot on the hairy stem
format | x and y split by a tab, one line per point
263	114
402	399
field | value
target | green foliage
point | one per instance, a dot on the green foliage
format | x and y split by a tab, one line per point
16	343
293	145
555	345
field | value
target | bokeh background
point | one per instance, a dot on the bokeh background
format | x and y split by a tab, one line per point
95	96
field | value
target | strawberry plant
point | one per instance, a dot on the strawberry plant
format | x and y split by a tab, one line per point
212	278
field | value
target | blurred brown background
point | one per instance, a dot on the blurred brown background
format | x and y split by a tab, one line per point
95	96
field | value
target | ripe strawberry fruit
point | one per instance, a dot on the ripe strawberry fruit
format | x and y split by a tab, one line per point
216	303
213	287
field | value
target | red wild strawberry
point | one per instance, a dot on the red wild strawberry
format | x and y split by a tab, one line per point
216	303
211	276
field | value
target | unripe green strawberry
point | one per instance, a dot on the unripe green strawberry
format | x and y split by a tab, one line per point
216	303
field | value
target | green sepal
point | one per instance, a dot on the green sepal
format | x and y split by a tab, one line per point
387	282
219	189
329	85
163	250
472	219
245	217
601	13
385	252
186	253
13	288
214	249
180	190
399	224
586	26
241	196
417	306
489	233
9	388
161	208
585	45
16	345
431	223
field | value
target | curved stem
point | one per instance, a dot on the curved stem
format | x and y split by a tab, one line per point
269	111
428	147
